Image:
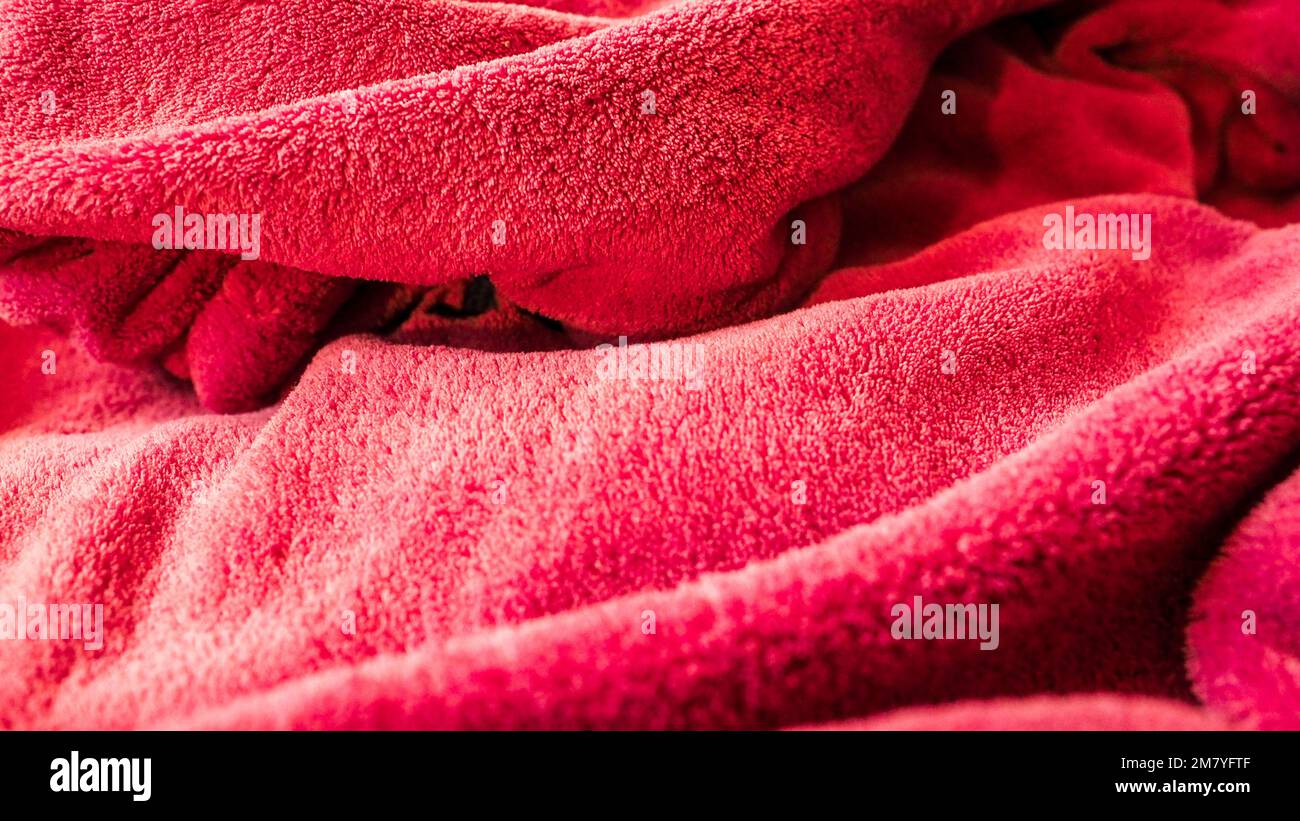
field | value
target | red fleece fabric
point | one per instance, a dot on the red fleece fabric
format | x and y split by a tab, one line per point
400	470
1243	648
1101	712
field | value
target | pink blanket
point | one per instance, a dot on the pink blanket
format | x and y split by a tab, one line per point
636	364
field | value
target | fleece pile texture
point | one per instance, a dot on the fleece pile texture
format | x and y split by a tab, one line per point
627	364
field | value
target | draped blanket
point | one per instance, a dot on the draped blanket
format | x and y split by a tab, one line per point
645	364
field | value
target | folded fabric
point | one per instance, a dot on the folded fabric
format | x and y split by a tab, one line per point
1243	647
1080	712
468	491
499	529
578	161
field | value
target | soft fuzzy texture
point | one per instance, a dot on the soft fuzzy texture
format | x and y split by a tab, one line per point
918	401
1243	643
1101	712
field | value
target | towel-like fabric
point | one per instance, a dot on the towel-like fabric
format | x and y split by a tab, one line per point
1102	712
578	161
628	364
1242	643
